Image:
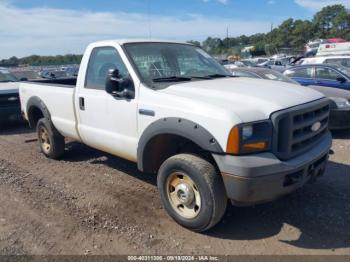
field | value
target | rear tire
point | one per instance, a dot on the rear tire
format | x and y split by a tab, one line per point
51	142
192	192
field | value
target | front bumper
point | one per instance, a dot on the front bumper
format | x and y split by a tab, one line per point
339	118
11	113
262	177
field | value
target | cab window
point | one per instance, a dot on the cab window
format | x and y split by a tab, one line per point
101	61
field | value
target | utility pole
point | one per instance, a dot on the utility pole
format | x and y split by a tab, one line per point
228	41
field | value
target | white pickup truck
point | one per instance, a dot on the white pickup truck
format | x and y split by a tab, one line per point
177	113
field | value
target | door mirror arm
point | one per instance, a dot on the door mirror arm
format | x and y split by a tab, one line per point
126	93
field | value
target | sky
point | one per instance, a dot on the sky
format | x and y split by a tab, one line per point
52	27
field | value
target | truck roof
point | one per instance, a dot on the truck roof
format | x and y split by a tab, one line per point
129	41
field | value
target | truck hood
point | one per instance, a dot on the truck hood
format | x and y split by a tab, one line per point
9	88
249	99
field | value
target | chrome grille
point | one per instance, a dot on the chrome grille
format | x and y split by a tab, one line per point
293	128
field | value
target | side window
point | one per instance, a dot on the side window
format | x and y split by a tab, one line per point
326	73
302	72
102	59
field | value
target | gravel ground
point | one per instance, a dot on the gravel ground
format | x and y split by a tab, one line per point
94	203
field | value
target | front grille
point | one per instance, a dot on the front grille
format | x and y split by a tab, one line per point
9	100
293	132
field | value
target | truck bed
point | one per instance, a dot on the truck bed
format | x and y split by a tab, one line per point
58	97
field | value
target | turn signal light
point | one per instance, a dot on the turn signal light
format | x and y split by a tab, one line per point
233	142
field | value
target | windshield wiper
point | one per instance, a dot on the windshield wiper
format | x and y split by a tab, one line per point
200	77
218	76
171	79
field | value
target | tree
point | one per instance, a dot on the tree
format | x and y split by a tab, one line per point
213	45
301	34
327	20
341	25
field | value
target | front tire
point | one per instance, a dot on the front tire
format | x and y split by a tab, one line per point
192	192
51	142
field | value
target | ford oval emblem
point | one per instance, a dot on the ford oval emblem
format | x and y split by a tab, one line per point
315	127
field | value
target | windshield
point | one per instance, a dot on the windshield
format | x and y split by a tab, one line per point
273	75
7	77
167	62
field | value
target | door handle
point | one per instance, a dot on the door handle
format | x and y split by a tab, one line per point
82	103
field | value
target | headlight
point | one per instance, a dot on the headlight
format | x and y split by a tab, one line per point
250	138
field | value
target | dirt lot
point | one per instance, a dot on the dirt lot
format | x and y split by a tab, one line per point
94	203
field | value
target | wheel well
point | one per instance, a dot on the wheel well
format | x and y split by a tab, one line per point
162	147
34	115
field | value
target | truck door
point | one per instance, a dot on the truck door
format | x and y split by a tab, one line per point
106	122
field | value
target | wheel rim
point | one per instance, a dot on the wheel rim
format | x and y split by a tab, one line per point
183	195
44	140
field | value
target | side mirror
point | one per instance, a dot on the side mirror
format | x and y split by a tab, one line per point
118	86
112	81
341	79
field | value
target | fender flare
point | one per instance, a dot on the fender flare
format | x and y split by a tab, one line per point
38	103
181	127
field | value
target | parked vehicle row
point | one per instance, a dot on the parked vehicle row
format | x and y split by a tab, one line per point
172	109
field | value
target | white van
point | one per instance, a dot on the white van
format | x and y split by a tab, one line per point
334	49
343	60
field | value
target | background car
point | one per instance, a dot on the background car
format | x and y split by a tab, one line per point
340	106
311	47
10	108
335	76
275	65
248	63
263	73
